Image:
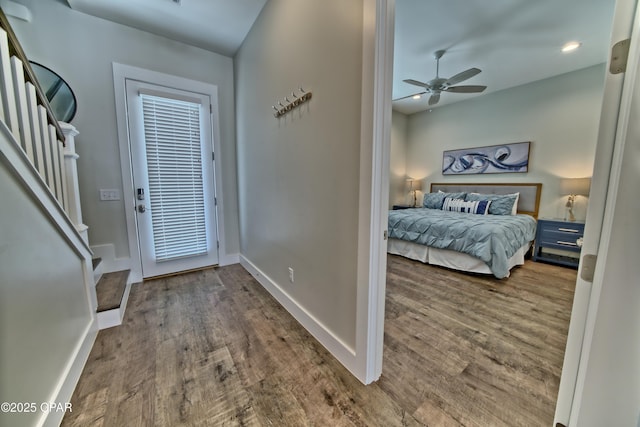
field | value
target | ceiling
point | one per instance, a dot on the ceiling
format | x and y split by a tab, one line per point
513	42
216	25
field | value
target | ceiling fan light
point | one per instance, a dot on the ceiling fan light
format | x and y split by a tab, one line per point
416	97
570	46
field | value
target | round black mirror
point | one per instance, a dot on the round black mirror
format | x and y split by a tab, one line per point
57	91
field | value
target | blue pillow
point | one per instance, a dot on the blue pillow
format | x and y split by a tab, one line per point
435	200
501	204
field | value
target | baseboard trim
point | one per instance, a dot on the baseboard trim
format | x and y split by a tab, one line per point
228	259
72	374
110	263
333	344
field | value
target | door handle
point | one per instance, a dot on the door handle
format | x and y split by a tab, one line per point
141	208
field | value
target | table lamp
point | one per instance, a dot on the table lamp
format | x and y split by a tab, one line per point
572	187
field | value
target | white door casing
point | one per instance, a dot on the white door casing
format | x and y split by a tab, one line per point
121	73
173	178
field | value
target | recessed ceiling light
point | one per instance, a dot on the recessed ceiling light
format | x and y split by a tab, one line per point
416	97
570	46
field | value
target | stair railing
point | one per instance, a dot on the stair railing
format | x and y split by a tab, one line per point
25	111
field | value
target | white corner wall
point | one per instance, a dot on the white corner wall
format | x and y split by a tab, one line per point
610	366
299	175
47	305
81	48
398	160
607	390
559	115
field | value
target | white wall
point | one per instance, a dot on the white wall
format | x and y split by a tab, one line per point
45	313
559	115
81	48
398	160
608	387
299	175
611	381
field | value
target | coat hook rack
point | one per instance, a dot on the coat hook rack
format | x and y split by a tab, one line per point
283	107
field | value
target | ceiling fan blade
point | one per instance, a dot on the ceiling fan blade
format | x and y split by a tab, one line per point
408	96
416	83
466	89
433	99
463	76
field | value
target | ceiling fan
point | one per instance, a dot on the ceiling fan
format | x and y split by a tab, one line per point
439	84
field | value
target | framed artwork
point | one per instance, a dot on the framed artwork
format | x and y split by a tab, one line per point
504	158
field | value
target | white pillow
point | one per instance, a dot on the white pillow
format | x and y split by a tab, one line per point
514	209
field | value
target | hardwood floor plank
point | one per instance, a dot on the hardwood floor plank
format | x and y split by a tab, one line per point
90	410
416	336
110	289
276	404
513	370
213	348
436	415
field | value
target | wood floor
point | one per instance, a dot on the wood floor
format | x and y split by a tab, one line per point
212	348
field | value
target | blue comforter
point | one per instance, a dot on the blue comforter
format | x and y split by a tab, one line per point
492	238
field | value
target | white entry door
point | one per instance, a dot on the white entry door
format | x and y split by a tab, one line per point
170	134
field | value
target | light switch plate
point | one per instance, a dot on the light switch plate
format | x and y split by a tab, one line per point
109	194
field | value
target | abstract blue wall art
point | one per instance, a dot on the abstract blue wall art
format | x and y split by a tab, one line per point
505	158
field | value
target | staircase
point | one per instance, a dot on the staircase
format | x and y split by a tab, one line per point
48	299
112	292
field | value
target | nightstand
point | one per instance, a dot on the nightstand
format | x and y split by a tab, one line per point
398	207
558	234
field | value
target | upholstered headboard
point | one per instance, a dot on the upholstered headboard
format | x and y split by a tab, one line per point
528	203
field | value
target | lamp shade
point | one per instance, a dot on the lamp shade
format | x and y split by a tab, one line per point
575	186
414	184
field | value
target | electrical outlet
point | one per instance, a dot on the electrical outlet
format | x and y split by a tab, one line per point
111	194
291	274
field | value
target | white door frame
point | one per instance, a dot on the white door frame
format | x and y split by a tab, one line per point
139	165
121	73
375	143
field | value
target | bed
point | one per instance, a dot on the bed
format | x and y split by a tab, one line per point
444	232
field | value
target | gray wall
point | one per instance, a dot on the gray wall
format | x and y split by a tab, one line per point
299	175
559	115
81	48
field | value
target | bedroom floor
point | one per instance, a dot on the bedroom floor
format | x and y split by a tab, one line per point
213	348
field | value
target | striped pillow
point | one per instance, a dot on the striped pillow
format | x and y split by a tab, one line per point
435	200
480	207
501	204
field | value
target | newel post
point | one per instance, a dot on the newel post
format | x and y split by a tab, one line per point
71	172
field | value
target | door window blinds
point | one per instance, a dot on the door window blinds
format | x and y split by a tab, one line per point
174	163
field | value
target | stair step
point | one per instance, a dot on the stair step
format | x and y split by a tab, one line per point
110	289
98	269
